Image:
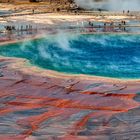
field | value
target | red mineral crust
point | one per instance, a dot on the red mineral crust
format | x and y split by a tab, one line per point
36	106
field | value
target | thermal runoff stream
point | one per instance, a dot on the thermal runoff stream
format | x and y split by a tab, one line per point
107	55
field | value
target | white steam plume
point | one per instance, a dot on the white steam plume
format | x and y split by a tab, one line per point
112	5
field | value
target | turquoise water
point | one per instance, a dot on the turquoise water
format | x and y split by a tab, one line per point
106	55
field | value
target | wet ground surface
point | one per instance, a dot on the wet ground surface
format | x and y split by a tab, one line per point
34	107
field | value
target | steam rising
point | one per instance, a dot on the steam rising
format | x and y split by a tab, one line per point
112	5
102	55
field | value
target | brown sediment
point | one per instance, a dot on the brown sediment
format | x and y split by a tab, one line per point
46	105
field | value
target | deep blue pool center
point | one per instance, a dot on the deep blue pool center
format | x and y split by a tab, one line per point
108	55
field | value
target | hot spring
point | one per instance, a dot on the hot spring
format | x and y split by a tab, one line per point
107	55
